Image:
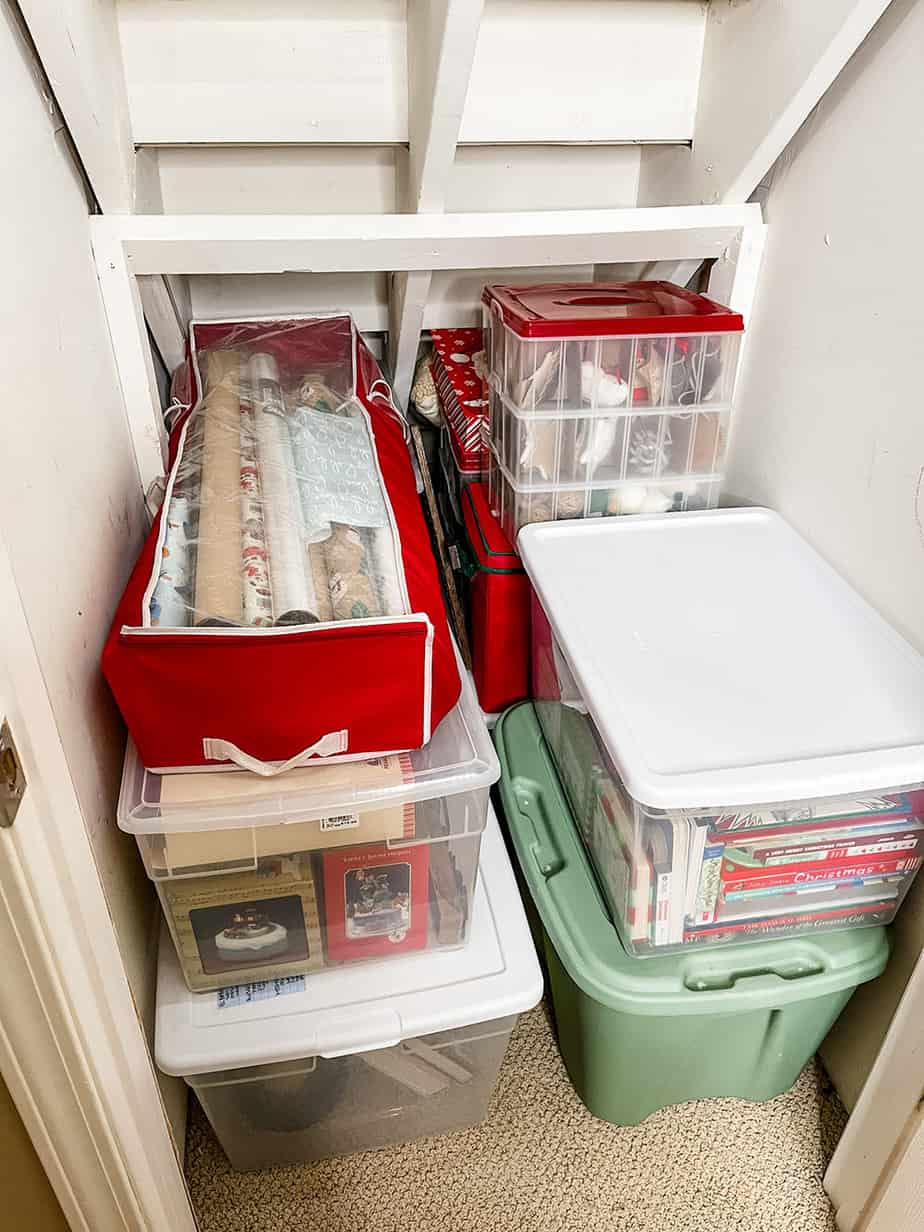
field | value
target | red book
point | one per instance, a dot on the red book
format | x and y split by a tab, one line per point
878	912
740	877
871	846
376	900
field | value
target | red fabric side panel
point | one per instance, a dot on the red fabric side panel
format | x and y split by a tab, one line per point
271	696
498	607
420	570
499	616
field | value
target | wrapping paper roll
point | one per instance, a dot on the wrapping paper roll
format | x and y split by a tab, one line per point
353	594
255	574
294	598
170	601
318	566
218	583
344	507
384	552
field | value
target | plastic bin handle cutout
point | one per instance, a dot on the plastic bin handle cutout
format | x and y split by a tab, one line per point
717	980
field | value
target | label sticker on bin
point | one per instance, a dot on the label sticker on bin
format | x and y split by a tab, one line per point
262	990
339	821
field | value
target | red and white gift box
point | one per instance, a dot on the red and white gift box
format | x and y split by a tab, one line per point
463	395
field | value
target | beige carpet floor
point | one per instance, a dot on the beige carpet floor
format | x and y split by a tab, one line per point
542	1163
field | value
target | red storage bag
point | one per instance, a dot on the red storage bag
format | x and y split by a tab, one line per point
286	605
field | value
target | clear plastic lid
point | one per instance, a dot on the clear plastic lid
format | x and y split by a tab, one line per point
459	758
724	662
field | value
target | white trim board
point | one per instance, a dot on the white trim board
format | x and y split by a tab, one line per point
887	1101
72	1049
268	243
128	246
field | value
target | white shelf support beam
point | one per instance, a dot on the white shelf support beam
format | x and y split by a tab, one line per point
78	43
765	66
441	40
129	246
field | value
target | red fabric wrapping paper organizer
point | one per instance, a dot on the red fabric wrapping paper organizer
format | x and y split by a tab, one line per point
286	604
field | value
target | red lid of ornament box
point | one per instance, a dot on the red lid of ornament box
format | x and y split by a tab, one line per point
608	309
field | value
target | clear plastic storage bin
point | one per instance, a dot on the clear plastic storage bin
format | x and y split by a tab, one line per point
607	398
739	735
330	864
356	1059
518	505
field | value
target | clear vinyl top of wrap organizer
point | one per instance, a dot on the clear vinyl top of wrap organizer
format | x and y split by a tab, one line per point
276	513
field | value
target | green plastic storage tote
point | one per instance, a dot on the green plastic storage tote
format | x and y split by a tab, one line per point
734	1021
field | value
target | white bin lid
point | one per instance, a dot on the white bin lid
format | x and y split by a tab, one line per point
362	1006
724	662
458	758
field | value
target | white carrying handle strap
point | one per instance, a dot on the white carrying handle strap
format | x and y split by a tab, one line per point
224	750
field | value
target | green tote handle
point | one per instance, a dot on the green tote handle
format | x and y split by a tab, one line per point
700	978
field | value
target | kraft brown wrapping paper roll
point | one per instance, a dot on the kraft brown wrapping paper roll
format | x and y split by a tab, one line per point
318	567
218	564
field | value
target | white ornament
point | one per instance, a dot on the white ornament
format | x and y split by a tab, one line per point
602	439
655	502
601	389
458	358
626	500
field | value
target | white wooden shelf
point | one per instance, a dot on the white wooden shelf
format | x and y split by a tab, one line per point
129	247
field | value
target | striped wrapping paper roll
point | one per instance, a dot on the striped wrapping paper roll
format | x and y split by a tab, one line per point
256	585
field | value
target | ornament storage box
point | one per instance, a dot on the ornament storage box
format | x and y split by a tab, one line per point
606	398
739	734
325	865
357	1058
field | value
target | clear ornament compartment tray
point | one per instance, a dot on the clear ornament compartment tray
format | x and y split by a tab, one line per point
517	505
602	447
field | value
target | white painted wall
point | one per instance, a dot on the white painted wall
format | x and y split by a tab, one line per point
70	507
830	423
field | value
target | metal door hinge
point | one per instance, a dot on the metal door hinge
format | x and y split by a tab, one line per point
12	779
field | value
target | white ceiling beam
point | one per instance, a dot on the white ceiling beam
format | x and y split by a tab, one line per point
765	66
78	44
272	243
441	40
